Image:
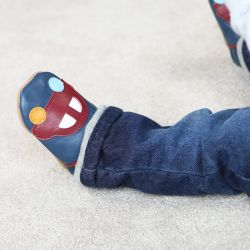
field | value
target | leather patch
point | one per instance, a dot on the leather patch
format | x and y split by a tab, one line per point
37	115
222	12
59	106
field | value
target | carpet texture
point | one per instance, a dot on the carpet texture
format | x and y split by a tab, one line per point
159	58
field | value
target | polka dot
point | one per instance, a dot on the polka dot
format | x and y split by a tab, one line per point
37	115
56	85
219	1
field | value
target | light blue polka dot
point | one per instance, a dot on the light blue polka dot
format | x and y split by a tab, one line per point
55	84
219	1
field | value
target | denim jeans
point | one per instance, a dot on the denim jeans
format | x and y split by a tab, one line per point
203	153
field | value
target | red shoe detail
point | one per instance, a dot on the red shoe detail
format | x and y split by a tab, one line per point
232	46
56	108
71	165
222	12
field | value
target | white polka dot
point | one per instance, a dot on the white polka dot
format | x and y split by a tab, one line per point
56	85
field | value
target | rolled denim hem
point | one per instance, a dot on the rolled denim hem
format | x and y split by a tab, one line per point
89	168
87	133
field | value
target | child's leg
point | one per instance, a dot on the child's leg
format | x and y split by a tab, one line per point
204	153
235	42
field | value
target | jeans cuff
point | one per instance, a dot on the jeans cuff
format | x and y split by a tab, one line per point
90	164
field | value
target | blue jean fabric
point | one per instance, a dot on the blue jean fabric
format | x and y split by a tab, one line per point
203	153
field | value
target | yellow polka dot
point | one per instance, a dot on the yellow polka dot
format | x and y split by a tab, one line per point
37	115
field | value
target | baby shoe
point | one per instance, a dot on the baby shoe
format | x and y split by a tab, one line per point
222	16
56	115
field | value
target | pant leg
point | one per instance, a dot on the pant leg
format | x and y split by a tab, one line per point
203	153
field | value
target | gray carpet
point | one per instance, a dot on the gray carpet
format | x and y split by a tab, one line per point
159	58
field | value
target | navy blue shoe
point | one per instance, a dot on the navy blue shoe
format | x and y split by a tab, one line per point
56	115
222	16
238	48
